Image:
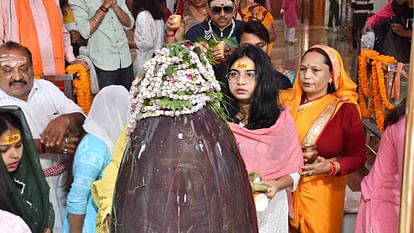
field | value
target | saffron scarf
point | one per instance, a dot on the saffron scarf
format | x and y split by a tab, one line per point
259	13
311	118
272	152
345	92
29	38
26	188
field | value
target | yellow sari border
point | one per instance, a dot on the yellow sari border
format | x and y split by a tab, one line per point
320	123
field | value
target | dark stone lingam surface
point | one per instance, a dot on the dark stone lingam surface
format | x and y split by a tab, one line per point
183	174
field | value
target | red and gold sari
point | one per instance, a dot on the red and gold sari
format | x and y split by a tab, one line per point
321	193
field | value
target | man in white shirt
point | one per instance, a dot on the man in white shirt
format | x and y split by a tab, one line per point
52	117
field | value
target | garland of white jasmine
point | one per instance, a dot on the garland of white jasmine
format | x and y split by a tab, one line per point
176	81
209	33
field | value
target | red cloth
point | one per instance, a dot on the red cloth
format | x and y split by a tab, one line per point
344	133
290	8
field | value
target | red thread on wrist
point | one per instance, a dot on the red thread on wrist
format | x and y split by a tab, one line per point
103	8
41	148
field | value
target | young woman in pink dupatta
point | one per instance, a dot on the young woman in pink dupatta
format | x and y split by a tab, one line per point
264	131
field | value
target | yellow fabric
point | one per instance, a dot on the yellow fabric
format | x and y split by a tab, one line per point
259	13
29	38
318	201
323	214
69	17
345	92
103	189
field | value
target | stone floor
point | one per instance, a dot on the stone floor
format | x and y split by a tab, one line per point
287	56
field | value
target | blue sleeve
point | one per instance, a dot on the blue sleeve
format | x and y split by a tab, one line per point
91	158
192	35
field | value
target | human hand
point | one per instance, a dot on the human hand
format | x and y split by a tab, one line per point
107	3
68	146
227	52
319	166
55	131
366	28
74	36
202	45
273	188
400	30
282	11
309	153
114	3
47	230
218	54
173	23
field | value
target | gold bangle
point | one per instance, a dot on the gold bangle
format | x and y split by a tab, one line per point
96	20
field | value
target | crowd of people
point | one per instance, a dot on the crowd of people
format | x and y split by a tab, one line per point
302	136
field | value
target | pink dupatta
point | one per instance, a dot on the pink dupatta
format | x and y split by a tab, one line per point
272	152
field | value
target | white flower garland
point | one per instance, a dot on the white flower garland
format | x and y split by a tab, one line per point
176	75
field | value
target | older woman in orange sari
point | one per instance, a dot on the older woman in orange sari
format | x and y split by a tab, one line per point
323	102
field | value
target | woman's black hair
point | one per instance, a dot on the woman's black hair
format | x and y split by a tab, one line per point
331	87
64	6
152	6
7	121
395	114
261	2
256	28
264	108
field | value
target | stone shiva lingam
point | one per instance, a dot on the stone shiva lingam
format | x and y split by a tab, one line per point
182	171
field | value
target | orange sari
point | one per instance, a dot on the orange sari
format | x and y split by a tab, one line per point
318	201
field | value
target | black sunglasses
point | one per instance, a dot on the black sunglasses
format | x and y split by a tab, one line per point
217	10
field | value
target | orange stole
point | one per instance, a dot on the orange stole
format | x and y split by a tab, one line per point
259	13
29	38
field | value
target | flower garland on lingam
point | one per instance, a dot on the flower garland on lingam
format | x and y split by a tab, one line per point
158	88
81	86
373	91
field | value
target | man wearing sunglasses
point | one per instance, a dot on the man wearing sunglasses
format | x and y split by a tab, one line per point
220	25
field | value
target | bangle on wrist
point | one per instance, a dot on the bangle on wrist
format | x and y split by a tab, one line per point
103	8
96	20
334	168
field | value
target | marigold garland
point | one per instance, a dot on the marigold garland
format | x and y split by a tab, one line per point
37	74
81	86
374	90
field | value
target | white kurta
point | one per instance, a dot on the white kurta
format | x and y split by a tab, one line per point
148	36
274	219
45	103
